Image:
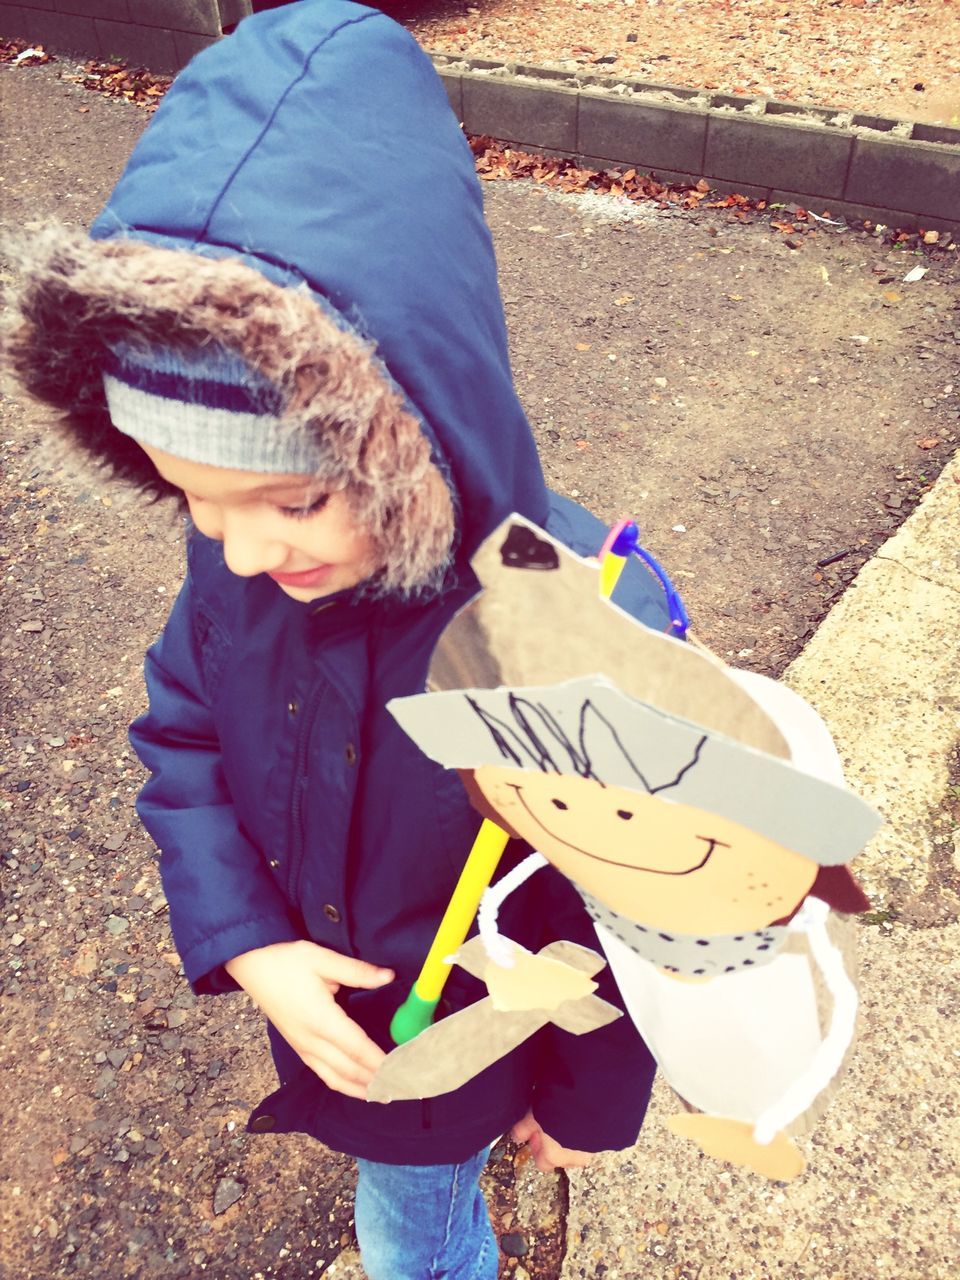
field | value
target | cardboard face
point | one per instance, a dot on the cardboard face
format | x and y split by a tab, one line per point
666	865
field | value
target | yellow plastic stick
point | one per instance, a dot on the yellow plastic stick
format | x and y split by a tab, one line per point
417	1010
611	567
477	873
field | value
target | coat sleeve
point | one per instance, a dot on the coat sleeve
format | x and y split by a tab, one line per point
223	898
591	1091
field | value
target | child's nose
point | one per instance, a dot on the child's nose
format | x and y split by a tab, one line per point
248	550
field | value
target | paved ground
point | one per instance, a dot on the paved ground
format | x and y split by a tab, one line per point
881	1194
759	407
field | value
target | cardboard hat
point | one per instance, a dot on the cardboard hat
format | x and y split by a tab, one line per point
589	728
540	620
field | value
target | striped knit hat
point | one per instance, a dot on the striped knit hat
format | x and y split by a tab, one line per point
207	406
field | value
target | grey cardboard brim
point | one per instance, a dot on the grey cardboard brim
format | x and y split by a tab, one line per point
589	728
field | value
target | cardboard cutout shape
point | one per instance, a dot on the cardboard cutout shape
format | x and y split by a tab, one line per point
451	1052
705	825
540	621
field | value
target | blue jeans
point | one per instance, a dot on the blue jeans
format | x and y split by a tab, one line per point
424	1222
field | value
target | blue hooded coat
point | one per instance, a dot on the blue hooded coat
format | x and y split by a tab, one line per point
317	144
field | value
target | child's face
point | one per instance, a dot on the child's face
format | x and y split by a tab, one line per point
662	864
274	524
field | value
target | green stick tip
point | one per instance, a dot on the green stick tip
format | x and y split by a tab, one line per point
413	1016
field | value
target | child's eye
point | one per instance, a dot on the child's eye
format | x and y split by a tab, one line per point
311	509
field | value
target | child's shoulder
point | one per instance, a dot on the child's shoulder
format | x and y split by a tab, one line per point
638	592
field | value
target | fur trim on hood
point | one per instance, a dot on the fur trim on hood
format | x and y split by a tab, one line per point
81	297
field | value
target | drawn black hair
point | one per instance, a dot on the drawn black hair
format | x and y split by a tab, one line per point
537	740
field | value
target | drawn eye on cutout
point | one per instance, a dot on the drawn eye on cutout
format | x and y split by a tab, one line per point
524	550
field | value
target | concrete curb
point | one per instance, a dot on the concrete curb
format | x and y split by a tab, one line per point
883	669
863	166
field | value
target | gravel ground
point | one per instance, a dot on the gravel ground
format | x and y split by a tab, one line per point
758	406
894	57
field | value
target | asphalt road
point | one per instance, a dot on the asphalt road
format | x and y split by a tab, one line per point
757	407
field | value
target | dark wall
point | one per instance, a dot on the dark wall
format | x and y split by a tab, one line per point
162	35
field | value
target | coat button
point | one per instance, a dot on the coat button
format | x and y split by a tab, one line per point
274	862
331	912
350	751
292	706
263	1123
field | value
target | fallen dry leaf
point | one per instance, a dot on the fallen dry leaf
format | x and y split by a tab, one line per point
497	163
22	54
134	84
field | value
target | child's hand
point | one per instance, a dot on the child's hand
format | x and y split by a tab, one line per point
294	985
547	1154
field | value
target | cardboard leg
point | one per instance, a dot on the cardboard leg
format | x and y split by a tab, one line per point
733	1140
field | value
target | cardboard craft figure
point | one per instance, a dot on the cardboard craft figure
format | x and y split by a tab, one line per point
708	848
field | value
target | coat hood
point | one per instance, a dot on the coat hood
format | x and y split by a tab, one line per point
315	148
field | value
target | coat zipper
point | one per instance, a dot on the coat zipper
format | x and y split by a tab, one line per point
296	800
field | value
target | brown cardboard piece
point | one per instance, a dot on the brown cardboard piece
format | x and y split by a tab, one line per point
534	982
733	1140
498	640
450	1052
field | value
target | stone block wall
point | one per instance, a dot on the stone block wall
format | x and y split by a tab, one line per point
898	172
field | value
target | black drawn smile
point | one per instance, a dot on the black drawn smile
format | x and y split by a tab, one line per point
610	862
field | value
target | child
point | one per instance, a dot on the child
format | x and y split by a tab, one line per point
288	315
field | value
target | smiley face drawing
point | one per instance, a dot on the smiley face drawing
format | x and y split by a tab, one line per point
668	865
709	869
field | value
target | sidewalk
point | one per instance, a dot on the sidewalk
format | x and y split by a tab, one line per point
881	1194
